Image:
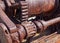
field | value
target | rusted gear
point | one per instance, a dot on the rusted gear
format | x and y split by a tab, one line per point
24	9
21	32
30	28
4	34
15	37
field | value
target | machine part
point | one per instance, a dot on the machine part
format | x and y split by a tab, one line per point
21	32
12	1
14	6
24	8
2	5
42	25
27	29
53	38
30	28
7	2
39	6
4	34
29	8
15	37
39	25
50	22
34	7
5	19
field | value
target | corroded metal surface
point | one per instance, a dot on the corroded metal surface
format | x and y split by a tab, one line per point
53	38
30	28
38	6
42	25
21	32
14	31
4	34
24	8
15	37
4	19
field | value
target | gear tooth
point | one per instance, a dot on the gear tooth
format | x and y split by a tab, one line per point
30	28
24	10
24	7
24	13
23	3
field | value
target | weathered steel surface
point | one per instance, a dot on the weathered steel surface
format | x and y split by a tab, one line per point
21	32
38	6
53	38
30	28
42	25
12	32
4	34
5	19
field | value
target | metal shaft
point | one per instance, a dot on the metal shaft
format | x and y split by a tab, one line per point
51	22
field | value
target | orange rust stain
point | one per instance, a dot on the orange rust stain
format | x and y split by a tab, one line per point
58	41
